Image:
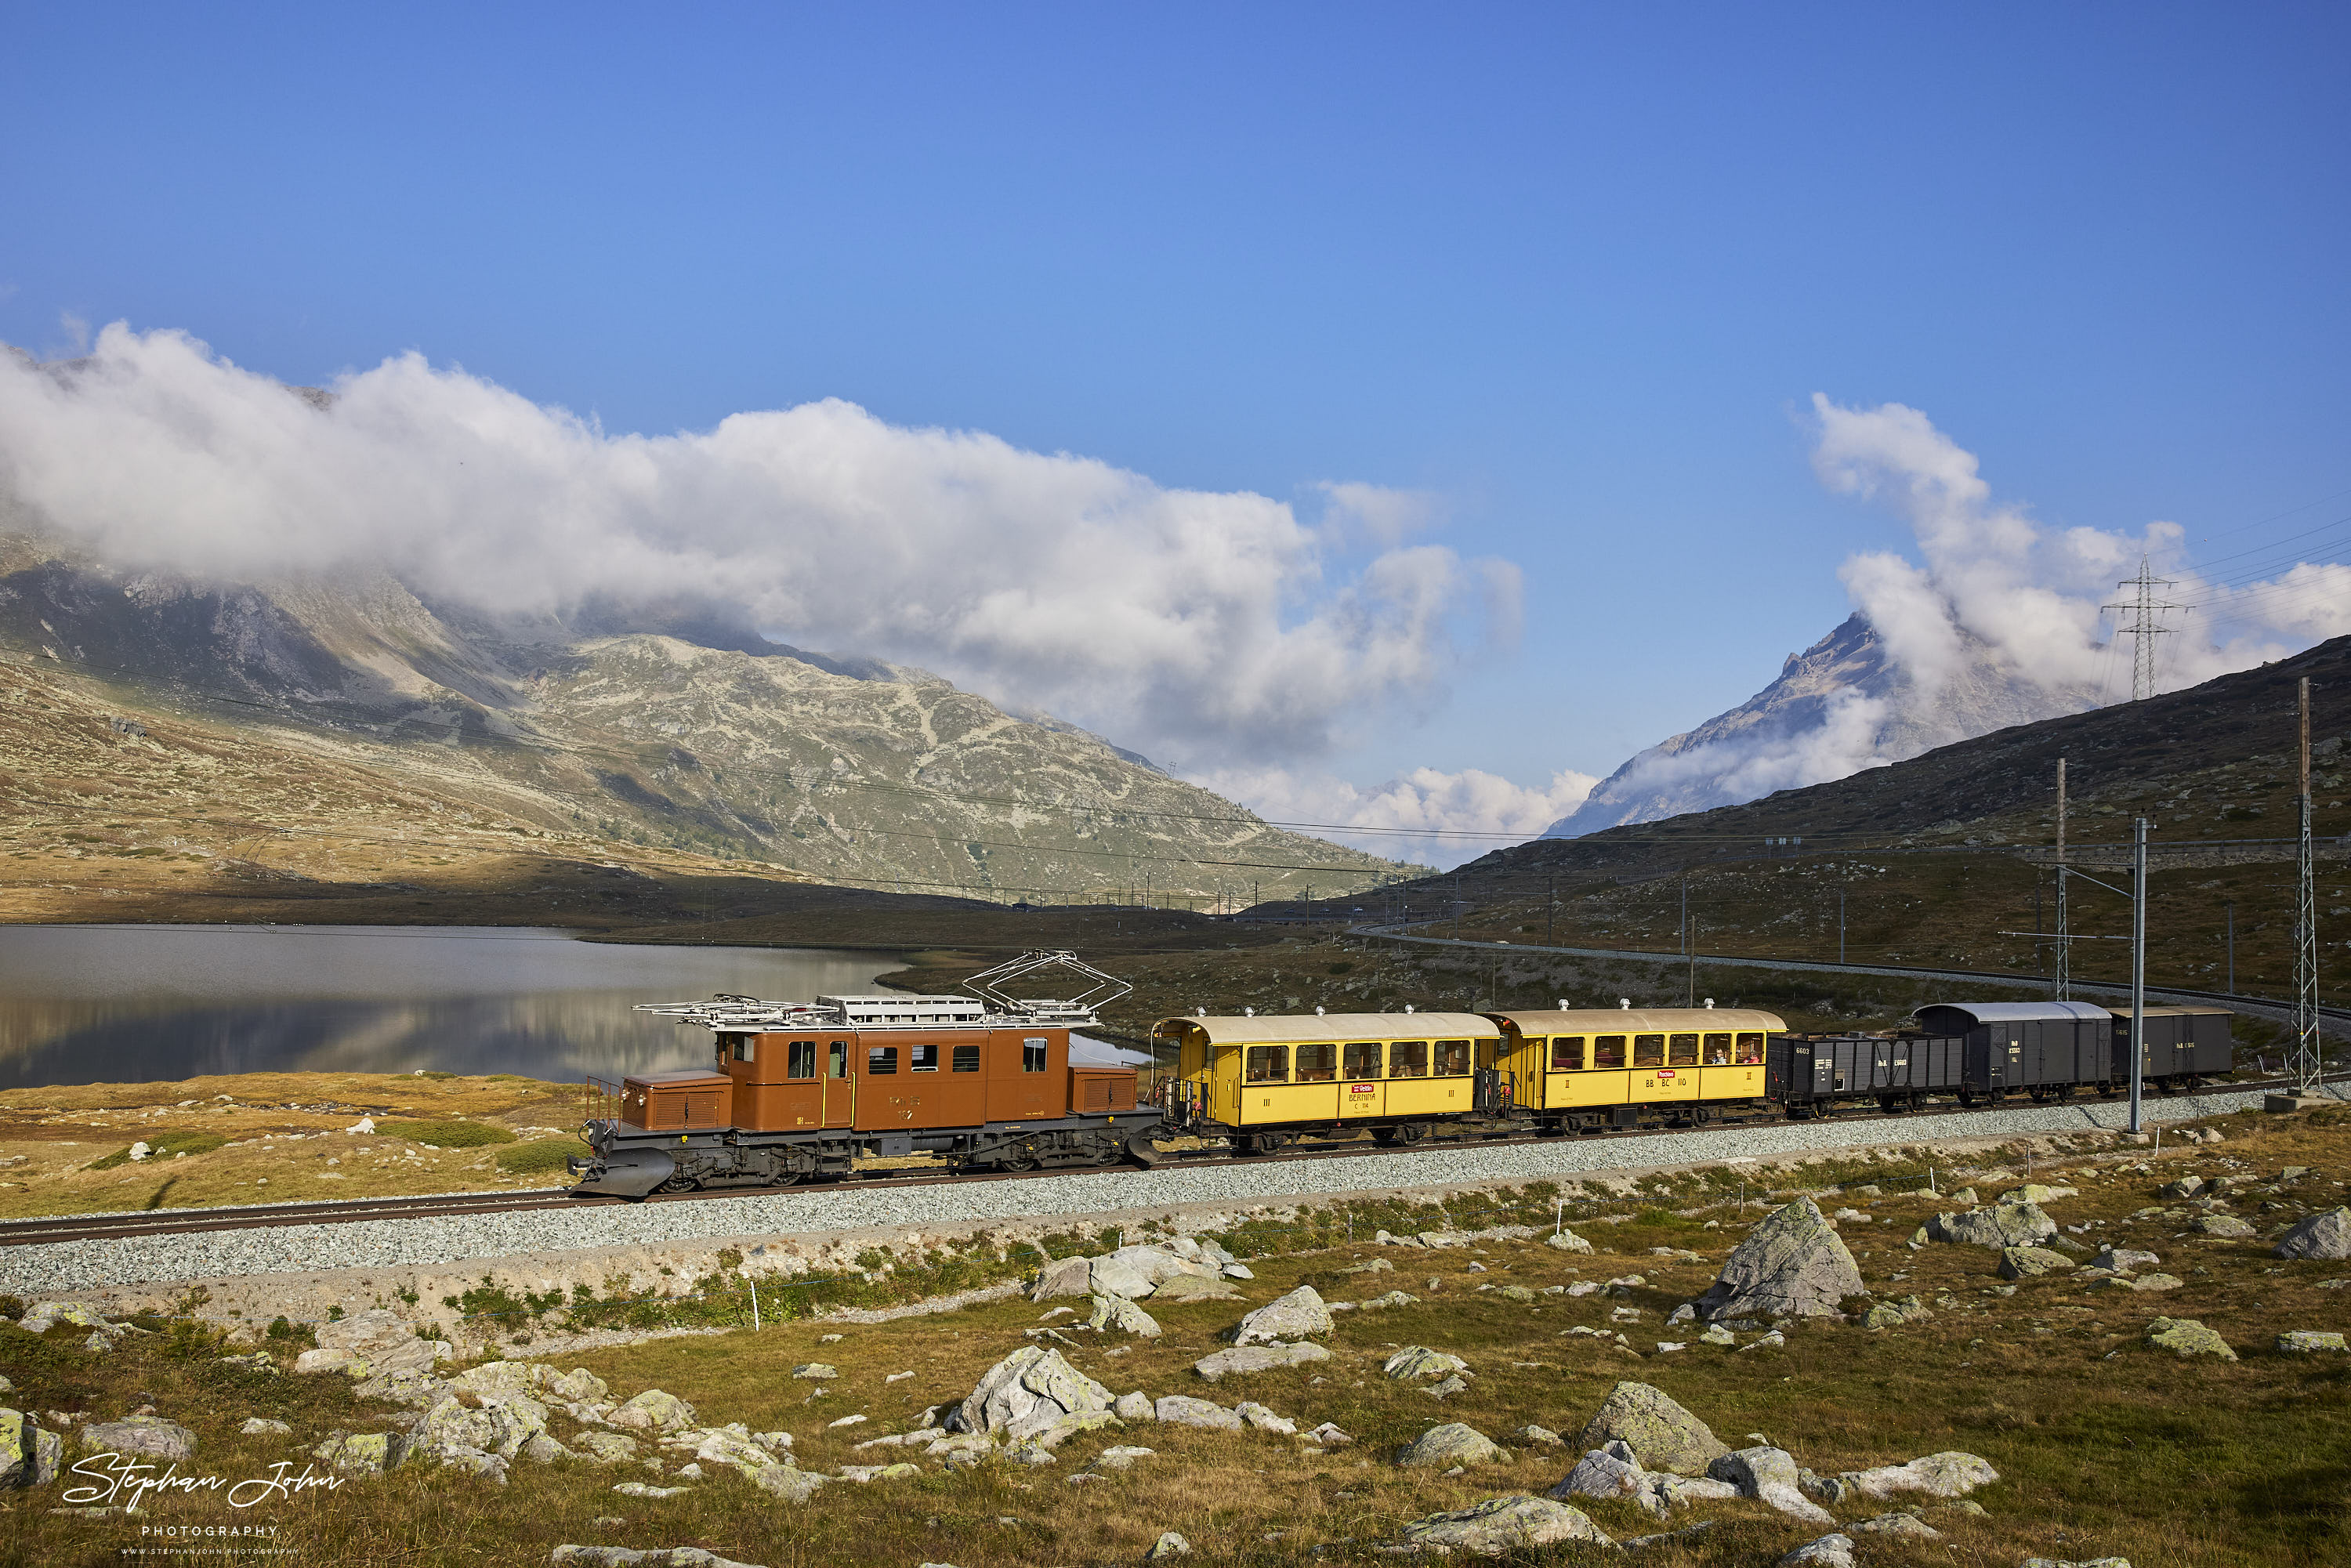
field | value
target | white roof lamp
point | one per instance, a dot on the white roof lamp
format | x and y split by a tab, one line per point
1249	1012
1562	1004
1625	1003
1709	1004
1318	1011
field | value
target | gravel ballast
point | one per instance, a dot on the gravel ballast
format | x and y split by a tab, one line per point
51	1268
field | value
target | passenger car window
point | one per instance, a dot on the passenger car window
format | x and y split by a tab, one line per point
880	1061
1317	1063
1649	1050
1718	1050
921	1059
966	1058
1269	1064
1408	1059
1608	1051
1567	1054
1363	1059
1452	1058
800	1059
1684	1050
1032	1054
1750	1050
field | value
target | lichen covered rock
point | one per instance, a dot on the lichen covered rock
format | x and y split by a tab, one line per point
1298	1315
1660	1433
1027	1392
1502	1524
1792	1265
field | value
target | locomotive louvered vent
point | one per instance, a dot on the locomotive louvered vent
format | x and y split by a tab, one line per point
1098	1094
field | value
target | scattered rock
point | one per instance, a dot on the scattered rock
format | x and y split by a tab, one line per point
2034	1193
658	1557
2087	1562
361	1454
2308	1342
1169	1544
1950	1474
639	1489
1192	1287
1447	1388
1070	1277
1568	1242
1793	1264
1775	1340
1330	1436
1116	1314
2186	1187
2227	1225
1451	1444
1134	1407
2031	1262
1662	1435
1771	1476
261	1426
1257	1358
1418	1361
1502	1524
148	1434
2001	1226
2124	1260
1539	1436
1264	1419
816	1370
1609	1471
1182	1410
43	1316
1123	1457
349	1363
1828	1552
2327	1234
1297	1315
1026	1393
656	1408
608	1448
2186	1337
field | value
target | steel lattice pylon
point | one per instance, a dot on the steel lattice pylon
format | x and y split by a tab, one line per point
2302	1067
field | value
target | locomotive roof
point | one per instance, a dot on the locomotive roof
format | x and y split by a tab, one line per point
1290	1027
2018	1012
1603	1020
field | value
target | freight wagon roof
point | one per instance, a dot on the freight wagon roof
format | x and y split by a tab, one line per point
1643	1020
1289	1028
2018	1012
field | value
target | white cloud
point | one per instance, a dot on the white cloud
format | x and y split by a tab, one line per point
1205	628
1410	818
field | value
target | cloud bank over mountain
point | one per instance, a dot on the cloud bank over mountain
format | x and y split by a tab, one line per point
1426	816
1210	629
1999	620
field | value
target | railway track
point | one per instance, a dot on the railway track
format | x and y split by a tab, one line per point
176	1222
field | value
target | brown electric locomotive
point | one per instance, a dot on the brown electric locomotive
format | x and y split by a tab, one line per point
803	1089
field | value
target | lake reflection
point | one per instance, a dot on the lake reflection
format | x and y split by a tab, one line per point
87	1004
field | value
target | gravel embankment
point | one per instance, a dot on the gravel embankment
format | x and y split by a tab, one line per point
392	1243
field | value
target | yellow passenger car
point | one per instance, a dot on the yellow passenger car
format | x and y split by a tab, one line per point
1267	1081
1583	1070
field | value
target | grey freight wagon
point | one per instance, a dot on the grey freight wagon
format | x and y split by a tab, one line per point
2045	1050
1812	1074
2182	1047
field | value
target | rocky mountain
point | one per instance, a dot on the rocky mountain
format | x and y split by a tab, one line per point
1841	705
677	728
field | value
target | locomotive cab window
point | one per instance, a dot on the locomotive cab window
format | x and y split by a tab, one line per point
1750	1050
1567	1054
1408	1059
1717	1050
1649	1050
1361	1058
1683	1052
1269	1064
880	1061
742	1047
800	1059
966	1058
1317	1063
837	1063
1032	1054
1452	1058
921	1059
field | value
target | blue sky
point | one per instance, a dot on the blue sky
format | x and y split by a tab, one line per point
1576	271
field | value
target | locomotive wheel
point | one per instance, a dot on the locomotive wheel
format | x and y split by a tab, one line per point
1020	1159
1411	1132
681	1182
1384	1136
1702	1114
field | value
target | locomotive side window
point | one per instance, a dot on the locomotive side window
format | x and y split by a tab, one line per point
966	1058
1717	1050
1363	1059
1269	1064
921	1059
1567	1054
1408	1059
800	1059
1684	1050
837	1061
880	1061
1317	1063
742	1047
1750	1050
1452	1058
1607	1051
1032	1054
1649	1050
